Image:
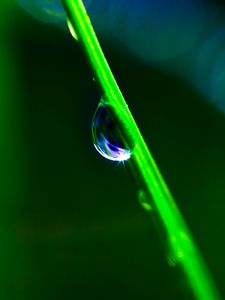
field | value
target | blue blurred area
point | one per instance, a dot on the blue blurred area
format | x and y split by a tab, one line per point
153	30
50	11
182	37
44	10
209	65
156	31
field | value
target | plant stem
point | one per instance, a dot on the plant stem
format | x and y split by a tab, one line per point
182	250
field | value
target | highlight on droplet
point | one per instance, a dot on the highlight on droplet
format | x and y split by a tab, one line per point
106	135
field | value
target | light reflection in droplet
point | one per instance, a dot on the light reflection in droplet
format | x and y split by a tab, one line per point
107	137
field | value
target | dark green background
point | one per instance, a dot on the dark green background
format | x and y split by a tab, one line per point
71	225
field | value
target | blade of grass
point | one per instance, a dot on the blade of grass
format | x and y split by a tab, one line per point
182	249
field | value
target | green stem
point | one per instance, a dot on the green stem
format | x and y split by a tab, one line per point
182	250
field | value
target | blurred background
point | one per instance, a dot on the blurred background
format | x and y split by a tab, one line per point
71	226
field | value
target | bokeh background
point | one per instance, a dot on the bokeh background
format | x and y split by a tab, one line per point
71	226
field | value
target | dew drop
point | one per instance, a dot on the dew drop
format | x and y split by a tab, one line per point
106	135
71	29
144	200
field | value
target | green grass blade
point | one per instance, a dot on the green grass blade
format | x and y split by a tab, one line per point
182	250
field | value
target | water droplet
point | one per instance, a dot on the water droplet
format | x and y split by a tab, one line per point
144	200
71	29
178	244
107	136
